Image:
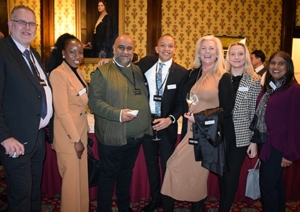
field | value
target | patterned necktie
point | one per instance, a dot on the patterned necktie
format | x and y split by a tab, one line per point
34	72
159	88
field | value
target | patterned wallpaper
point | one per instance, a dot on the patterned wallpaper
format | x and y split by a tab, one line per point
64	17
298	13
187	21
36	7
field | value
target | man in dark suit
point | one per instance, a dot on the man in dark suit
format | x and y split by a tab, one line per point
166	107
25	109
257	59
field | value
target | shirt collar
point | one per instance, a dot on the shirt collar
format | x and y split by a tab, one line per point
20	47
114	61
259	68
167	63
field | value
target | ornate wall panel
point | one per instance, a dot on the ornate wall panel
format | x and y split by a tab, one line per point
298	13
136	24
64	16
36	7
188	20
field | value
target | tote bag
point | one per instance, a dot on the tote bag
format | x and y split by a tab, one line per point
252	183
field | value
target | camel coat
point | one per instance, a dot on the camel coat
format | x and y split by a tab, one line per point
70	125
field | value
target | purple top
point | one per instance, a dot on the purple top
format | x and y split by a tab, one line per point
283	123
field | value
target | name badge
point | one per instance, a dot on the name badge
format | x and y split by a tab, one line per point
157	98
82	91
243	89
137	91
193	141
273	85
42	82
209	122
170	87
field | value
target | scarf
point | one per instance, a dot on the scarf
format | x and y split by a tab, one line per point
261	108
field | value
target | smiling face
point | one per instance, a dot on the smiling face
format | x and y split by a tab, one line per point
208	53
277	67
22	34
73	53
165	48
123	50
237	56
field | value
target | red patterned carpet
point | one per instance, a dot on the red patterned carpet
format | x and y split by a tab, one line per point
52	204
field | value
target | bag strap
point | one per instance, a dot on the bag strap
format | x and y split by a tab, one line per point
257	162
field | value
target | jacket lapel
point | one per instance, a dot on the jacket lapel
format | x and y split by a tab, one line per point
240	95
75	81
22	63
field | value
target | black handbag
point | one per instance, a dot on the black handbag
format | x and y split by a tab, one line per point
93	166
257	137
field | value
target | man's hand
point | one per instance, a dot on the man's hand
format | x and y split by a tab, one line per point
103	61
161	123
13	148
79	148
126	115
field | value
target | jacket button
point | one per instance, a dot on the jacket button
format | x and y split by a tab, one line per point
39	97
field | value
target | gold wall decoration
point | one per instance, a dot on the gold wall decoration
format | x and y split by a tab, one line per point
187	21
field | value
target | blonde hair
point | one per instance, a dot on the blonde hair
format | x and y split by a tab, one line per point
248	68
219	66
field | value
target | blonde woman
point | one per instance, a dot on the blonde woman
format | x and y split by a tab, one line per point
246	85
185	178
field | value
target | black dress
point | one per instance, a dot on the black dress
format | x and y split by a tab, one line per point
103	39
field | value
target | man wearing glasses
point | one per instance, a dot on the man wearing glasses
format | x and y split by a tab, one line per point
25	109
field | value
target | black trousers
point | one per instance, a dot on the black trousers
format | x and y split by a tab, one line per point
24	177
155	152
116	163
229	182
272	183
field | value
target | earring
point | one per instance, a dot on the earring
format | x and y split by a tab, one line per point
63	56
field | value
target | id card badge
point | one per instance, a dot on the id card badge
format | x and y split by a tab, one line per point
82	91
137	91
42	82
157	98
193	141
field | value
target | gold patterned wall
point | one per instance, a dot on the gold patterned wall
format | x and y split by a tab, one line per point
36	7
298	13
187	21
64	17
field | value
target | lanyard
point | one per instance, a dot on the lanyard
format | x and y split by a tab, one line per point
133	83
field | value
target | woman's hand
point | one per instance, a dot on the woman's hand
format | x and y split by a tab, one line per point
190	117
285	163
252	150
79	148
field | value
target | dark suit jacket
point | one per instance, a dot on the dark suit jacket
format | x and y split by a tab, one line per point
261	72
20	96
172	102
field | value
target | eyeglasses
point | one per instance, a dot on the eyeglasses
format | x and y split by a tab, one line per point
24	23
